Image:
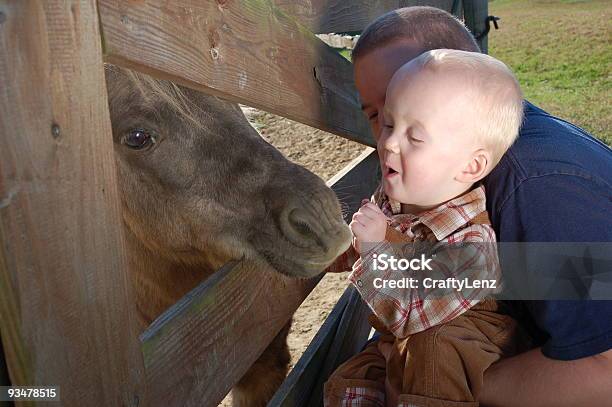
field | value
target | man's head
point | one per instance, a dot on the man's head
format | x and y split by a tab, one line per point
448	118
394	39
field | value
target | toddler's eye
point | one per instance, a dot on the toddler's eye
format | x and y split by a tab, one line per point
415	140
411	137
373	116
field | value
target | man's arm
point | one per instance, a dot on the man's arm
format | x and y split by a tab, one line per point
547	209
532	379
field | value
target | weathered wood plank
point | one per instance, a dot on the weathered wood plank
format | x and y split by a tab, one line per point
342	335
245	51
347	16
201	346
65	306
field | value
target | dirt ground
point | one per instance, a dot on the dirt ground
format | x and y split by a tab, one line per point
324	154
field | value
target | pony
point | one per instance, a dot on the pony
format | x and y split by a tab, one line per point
200	187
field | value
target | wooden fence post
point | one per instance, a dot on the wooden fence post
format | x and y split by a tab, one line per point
65	309
475	13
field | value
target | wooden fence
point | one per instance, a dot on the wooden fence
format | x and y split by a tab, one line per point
66	310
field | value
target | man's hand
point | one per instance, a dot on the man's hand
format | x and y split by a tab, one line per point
532	379
369	224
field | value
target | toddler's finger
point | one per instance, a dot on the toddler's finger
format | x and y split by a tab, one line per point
374	212
357	228
357	216
374	207
358	220
367	212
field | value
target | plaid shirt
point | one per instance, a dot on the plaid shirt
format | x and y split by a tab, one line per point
405	311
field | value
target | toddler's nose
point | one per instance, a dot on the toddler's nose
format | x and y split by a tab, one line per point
391	144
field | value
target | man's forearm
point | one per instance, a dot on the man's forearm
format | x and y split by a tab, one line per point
531	379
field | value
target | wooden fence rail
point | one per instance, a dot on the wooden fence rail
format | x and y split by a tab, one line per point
245	51
351	16
210	338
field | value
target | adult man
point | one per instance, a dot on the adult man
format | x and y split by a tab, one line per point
554	184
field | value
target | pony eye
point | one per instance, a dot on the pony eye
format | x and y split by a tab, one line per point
138	139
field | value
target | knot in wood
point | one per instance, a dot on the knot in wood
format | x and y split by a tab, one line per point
55	130
214	53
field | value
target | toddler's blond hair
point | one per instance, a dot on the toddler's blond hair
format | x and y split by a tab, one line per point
492	88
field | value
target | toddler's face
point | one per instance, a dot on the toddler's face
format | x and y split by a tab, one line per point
425	141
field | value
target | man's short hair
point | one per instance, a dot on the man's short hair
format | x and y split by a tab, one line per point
495	93
428	27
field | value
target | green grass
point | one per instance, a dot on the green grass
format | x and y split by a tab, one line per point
561	53
346	53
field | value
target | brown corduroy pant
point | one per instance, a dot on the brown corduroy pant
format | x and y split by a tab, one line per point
440	367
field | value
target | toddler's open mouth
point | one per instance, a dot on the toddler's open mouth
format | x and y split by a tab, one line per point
390	171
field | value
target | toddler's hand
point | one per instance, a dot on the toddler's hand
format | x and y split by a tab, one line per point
369	224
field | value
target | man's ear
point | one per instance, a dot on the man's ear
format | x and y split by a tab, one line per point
476	168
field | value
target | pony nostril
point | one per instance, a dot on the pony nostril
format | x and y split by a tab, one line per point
299	224
302	227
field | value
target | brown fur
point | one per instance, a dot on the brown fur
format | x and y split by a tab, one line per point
210	190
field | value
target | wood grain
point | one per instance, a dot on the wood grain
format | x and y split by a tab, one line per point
201	346
247	51
65	305
347	16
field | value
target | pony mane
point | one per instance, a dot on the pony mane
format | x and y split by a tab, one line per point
175	97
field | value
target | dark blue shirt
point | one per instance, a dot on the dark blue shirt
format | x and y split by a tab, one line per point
555	185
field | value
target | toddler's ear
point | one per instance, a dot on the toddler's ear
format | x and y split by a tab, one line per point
477	167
